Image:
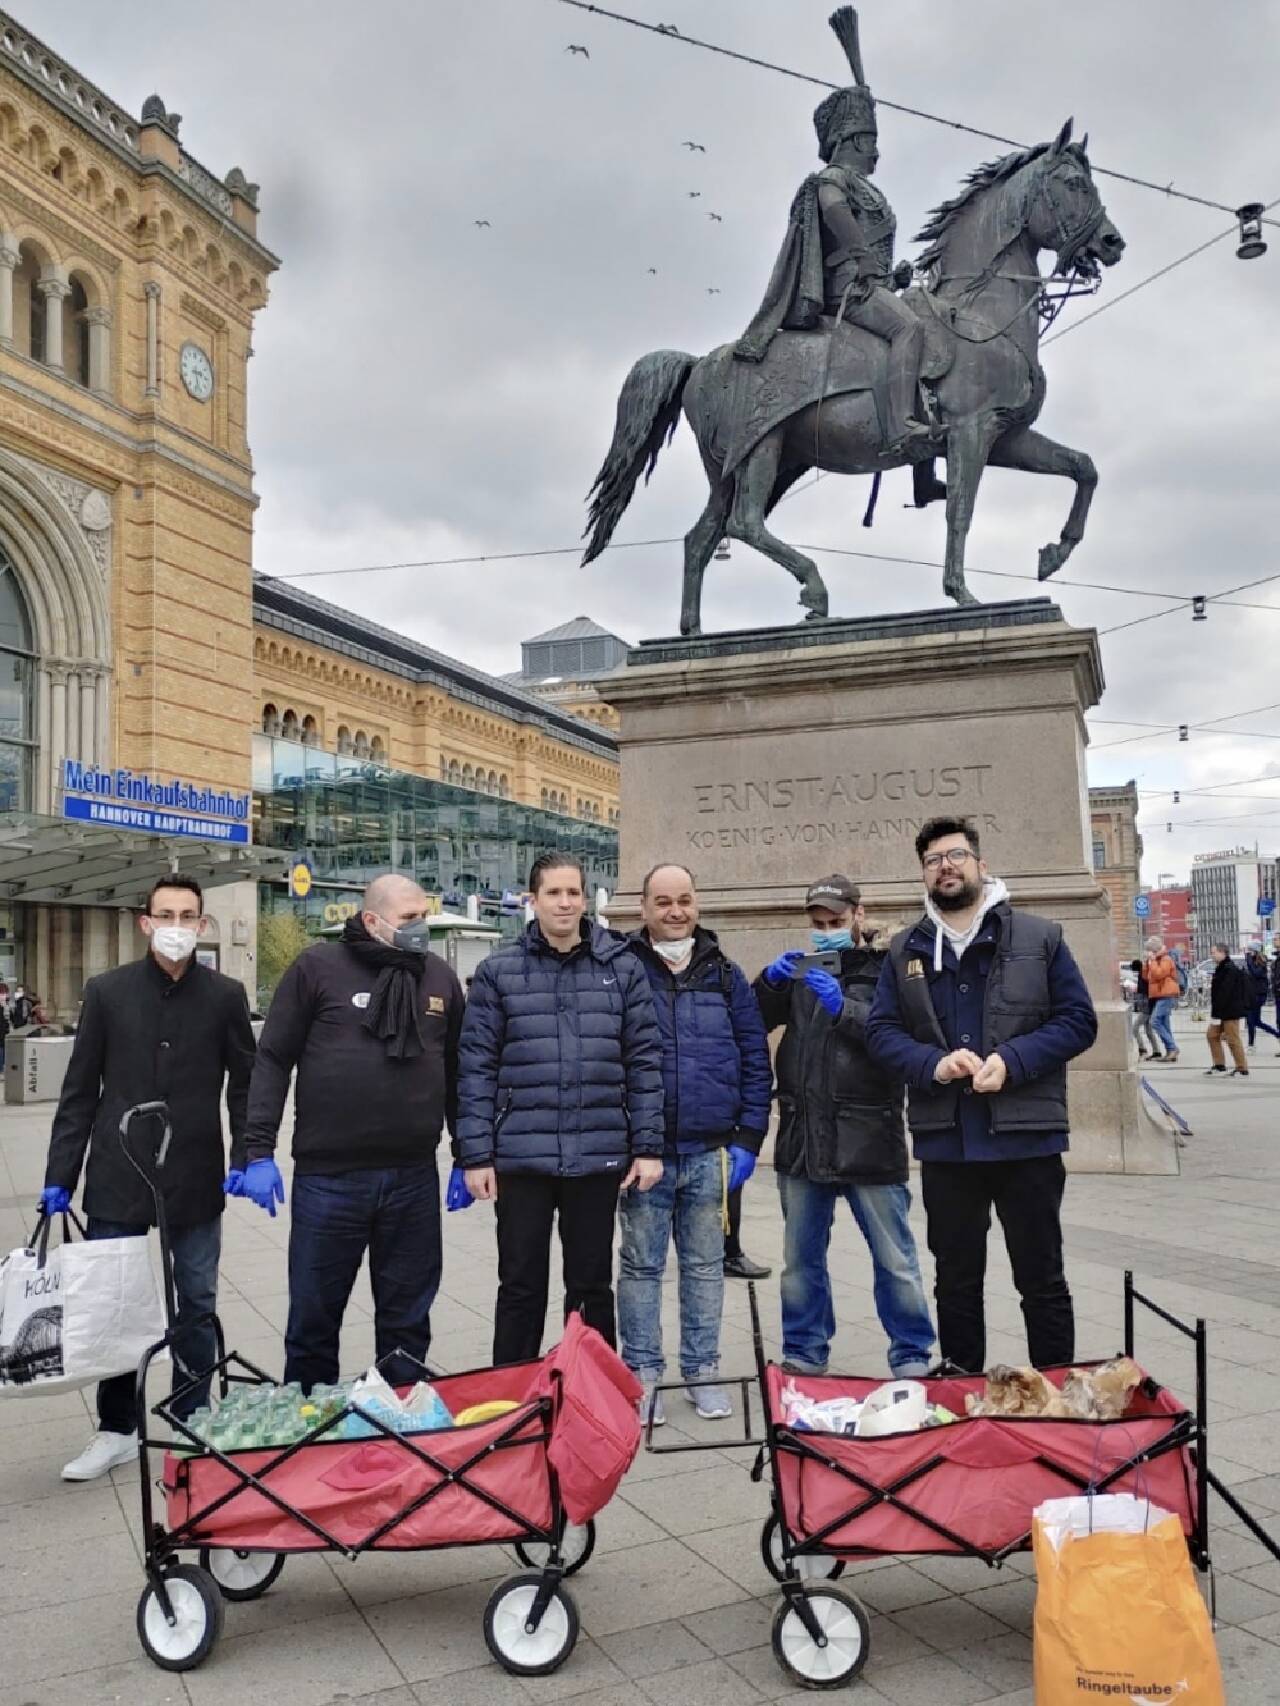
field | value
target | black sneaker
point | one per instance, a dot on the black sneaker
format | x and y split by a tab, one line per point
1240	1072
742	1267
1216	1072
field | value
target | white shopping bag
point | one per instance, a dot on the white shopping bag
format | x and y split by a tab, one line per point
75	1313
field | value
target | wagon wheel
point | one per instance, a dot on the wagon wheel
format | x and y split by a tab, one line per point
197	1619
519	1649
577	1543
809	1566
241	1575
837	1657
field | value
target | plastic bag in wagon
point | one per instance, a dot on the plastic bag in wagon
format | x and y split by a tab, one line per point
595	1431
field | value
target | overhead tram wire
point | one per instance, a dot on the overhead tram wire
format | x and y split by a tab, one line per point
1212	598
1210	724
1166	190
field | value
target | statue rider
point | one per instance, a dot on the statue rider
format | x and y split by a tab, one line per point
837	257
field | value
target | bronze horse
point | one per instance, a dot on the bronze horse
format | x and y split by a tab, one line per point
980	303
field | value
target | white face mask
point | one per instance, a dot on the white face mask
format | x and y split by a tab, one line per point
174	942
674	953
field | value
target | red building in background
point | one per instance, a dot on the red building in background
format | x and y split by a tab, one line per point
1169	909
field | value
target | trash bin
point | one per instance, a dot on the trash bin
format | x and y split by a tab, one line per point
34	1067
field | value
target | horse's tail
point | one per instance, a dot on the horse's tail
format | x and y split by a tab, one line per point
648	414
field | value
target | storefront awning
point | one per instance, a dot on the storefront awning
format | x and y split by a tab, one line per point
59	863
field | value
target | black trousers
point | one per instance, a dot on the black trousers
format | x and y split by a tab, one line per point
733	1237
528	1203
1027	1197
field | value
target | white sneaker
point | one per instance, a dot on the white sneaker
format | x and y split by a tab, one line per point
104	1451
712	1403
650	1405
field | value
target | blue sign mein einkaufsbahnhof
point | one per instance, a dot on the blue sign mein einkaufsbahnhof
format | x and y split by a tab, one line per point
149	805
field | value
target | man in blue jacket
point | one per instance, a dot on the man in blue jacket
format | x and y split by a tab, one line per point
560	1104
978	1009
717	1082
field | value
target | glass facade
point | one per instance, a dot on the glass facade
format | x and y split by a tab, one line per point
353	819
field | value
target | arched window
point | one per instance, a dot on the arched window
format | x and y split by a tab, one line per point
491	787
504	788
361	744
455	773
564	804
17	718
289	725
377	751
310	732
28	303
468	776
75	333
345	746
270	720
444	770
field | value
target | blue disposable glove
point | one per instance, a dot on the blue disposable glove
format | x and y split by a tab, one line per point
827	990
778	971
456	1193
742	1164
55	1199
233	1184
263	1184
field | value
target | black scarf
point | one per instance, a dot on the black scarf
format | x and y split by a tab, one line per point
393	1010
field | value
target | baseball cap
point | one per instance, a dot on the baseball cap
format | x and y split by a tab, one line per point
836	892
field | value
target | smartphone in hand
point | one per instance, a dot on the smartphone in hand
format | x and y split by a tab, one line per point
827	960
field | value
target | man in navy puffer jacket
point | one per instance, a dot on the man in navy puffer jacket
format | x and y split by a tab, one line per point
559	1104
718	1084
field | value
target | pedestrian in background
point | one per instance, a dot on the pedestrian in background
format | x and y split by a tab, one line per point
161	1029
718	1083
1163	989
979	1009
1230	999
1259	976
370	1026
1140	1019
840	1136
560	1104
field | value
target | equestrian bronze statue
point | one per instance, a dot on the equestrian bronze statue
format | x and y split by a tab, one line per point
849	368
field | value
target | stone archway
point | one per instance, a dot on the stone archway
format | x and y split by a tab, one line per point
64	581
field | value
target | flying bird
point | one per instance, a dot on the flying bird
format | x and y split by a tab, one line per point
712	290
668	30
480	222
576	47
694	195
653	272
694	147
718	219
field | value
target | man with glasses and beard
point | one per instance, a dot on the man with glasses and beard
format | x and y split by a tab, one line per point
978	1009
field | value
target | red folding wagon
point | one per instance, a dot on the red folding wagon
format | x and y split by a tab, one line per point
967	1489
533	1478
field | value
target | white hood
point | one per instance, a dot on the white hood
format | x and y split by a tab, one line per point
993	892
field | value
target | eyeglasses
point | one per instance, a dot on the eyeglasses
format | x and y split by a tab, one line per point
953	856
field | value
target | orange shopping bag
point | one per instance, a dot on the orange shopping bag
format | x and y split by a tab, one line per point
1118	1615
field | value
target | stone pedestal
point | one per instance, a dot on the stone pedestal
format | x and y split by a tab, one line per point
768	758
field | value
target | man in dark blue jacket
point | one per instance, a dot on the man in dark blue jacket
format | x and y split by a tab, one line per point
717	1083
560	1104
978	1009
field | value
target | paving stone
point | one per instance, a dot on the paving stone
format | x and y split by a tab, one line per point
329	1659
711	1683
713	1497
1013	1603
136	1682
929	1682
32	1576
1249	1668
649	1584
488	1686
35	1644
588	1669
1004	1661
897	1587
949	1623
733	1628
655	1648
434	1634
376	1577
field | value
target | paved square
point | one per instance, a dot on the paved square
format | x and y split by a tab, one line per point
676	1606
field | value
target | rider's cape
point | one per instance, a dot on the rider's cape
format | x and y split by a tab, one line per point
796	290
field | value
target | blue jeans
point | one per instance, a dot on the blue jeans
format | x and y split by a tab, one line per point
196	1250
1160	1011
394	1214
1254	1023
689	1200
808	1316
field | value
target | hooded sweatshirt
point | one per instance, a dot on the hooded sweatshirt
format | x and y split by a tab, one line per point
993	892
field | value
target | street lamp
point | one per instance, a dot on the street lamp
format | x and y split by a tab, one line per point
1251	246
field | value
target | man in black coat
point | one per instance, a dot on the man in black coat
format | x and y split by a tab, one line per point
164	1028
840	1135
371	1024
1230	998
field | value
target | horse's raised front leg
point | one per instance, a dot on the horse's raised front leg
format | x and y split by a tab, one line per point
1032	451
755	483
968	445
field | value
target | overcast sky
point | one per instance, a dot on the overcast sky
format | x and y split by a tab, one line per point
424	388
